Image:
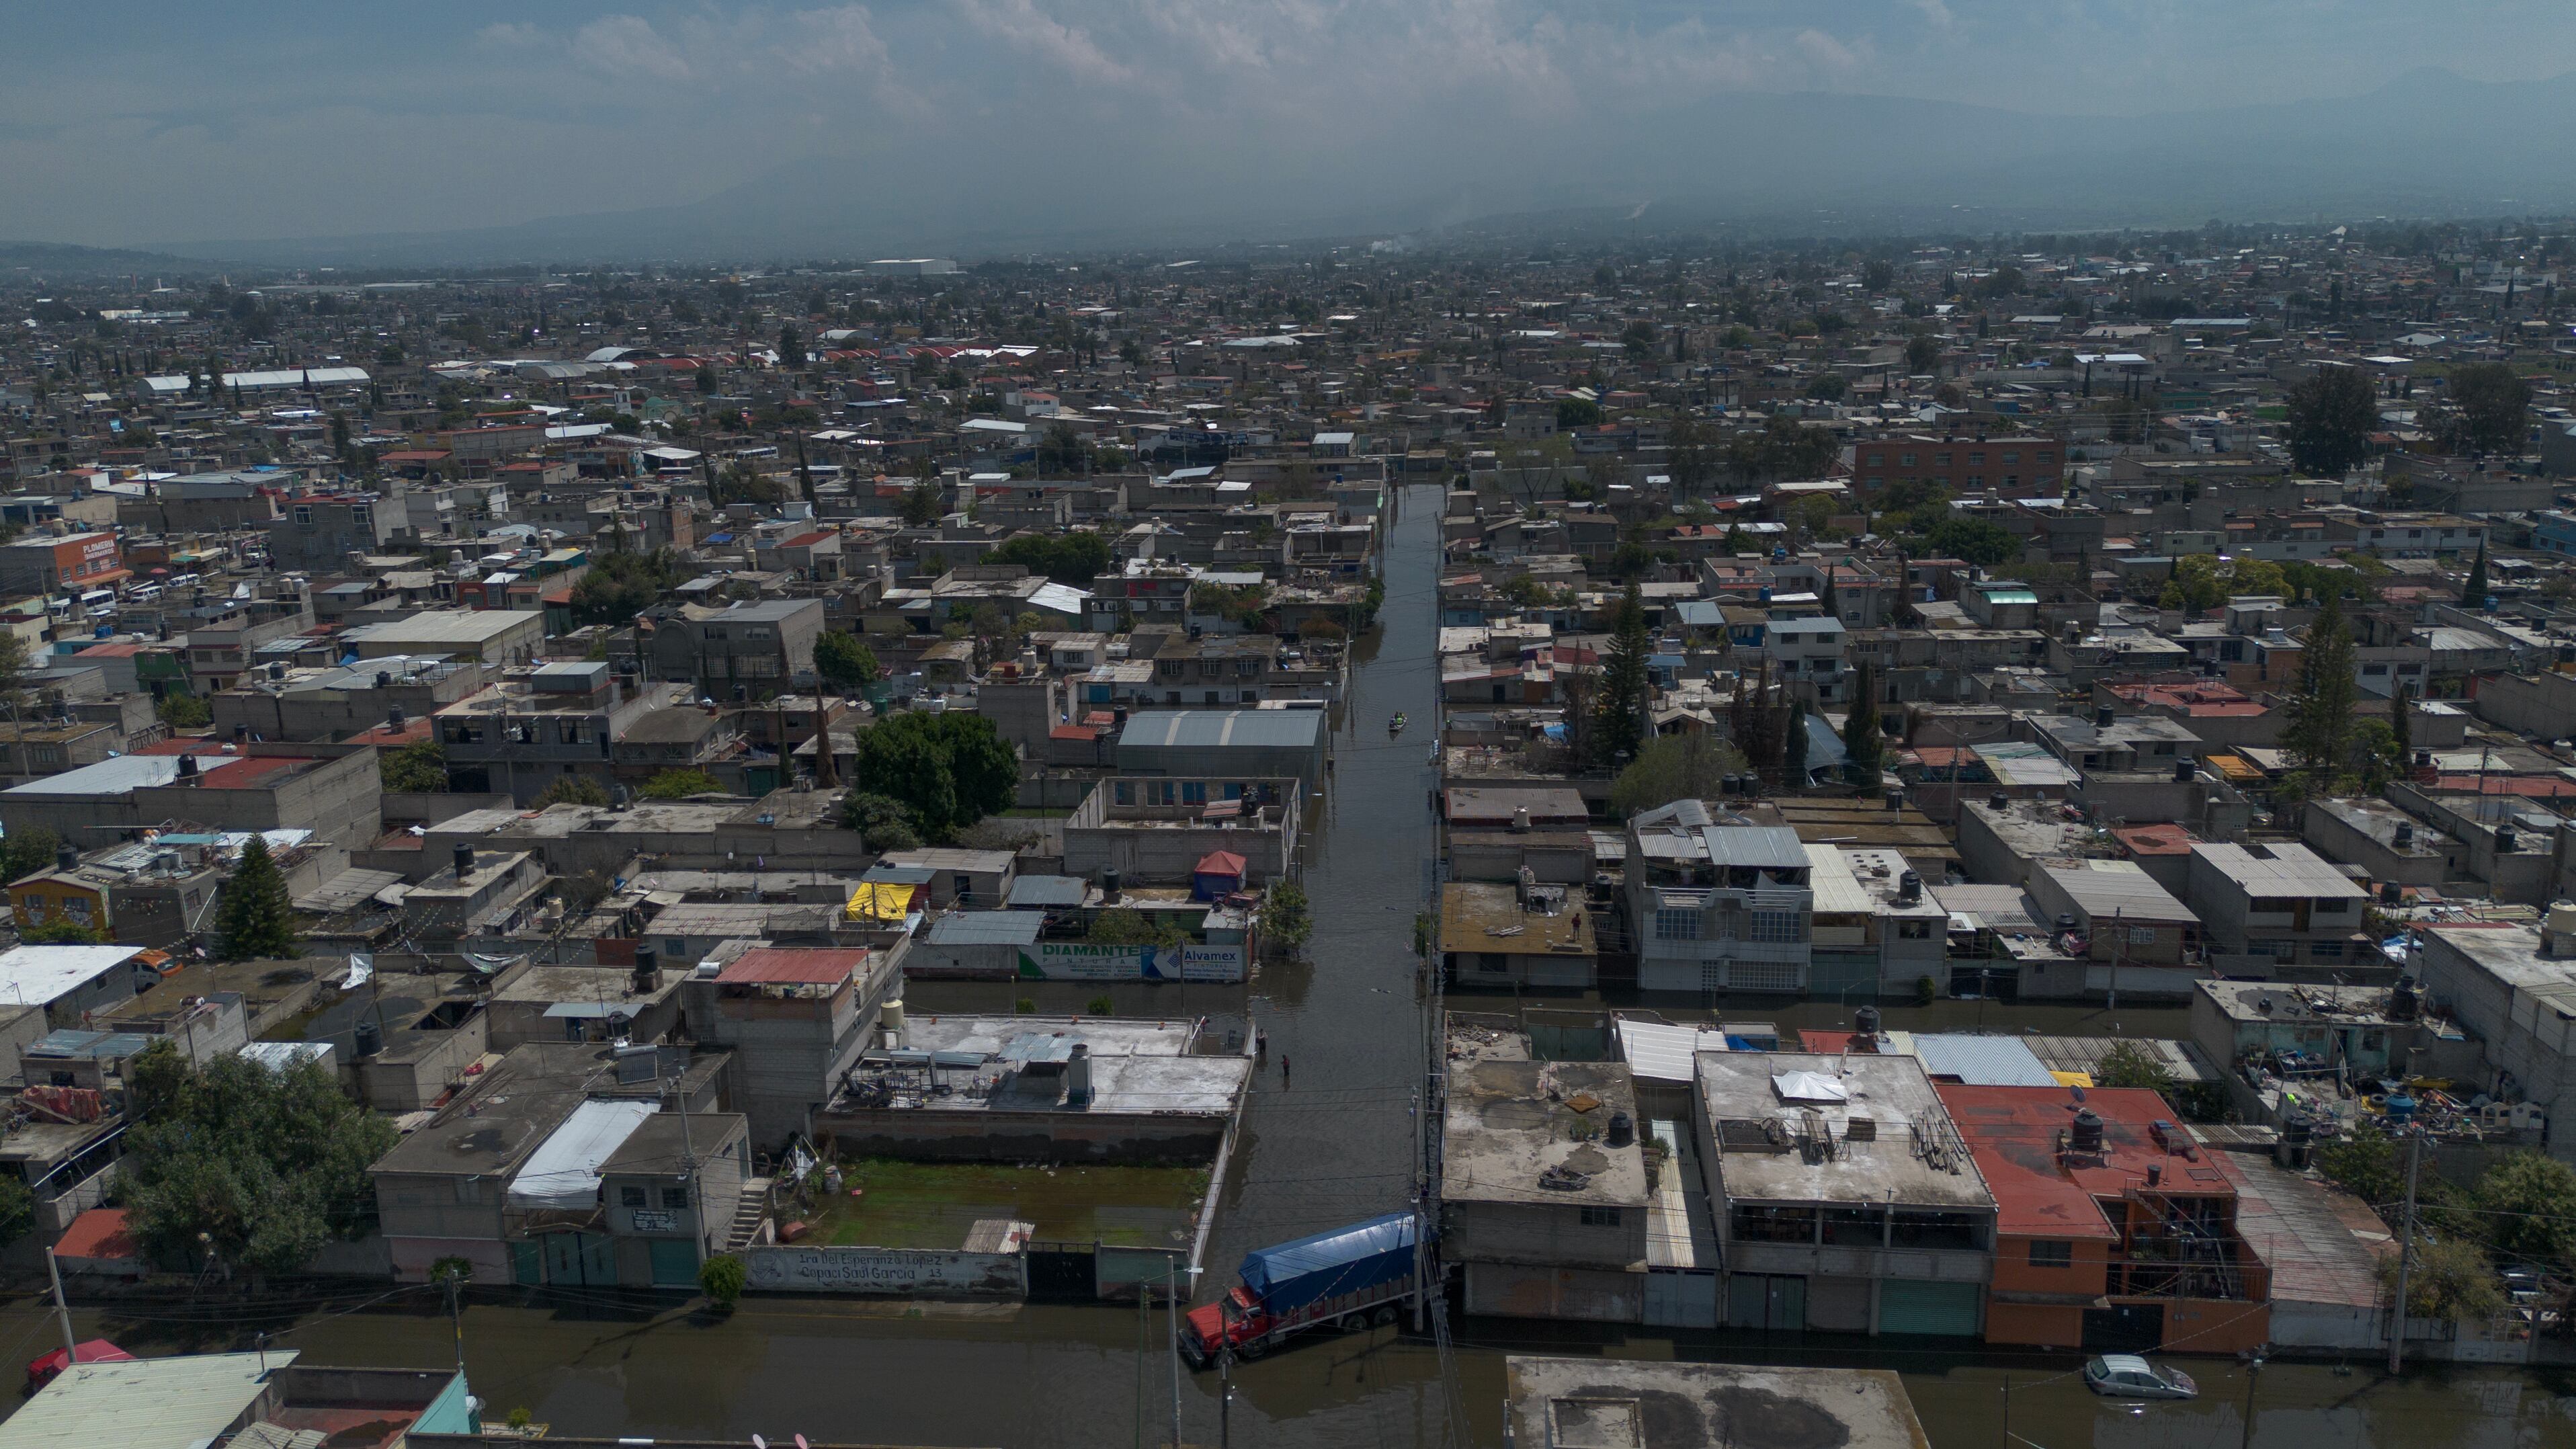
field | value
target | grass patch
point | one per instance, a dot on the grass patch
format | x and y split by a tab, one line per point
934	1204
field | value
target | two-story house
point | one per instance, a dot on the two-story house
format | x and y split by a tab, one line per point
1717	905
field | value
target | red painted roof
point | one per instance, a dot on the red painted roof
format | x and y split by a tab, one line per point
1219	862
785	966
97	1233
1825	1041
2531	786
806	540
2156	839
2014	1133
1073	732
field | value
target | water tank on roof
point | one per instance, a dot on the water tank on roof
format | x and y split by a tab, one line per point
2085	1133
1865	1020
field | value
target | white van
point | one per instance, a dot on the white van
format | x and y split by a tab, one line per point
99	604
142	593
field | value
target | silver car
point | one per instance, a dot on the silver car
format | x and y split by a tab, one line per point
2127	1376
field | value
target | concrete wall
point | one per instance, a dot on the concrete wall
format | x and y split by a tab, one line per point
1022	1137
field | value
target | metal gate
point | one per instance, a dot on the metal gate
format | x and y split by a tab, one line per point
2124	1328
1909	1306
1772	1302
1681	1298
1064	1272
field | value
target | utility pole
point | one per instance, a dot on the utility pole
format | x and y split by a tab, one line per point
62	1308
2405	1256
1172	1296
1224	1397
2119	939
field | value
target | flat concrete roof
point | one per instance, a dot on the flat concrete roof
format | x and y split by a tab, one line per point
1138	1067
1752	1122
1509	1123
1604	1403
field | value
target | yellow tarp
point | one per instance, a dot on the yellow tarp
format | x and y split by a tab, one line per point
2073	1079
879	900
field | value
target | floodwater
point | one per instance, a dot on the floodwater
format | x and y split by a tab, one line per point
1336	1145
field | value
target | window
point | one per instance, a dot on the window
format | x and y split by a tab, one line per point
1906	460
469	1189
304	515
1976	460
632	1196
1775	926
363	515
1914	930
1492	961
1940	460
2012	455
1676	923
675	1197
2045	1254
1600	1217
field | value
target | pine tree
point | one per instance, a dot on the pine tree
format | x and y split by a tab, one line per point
255	917
2475	594
1860	731
2319	733
1793	750
1621	709
2401	725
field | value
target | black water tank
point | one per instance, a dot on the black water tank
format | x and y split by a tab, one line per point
1999	801
1109	887
648	970
2402	1000
66	856
2103	716
2183	770
1623	1132
464	861
2087	1134
394	718
371	1037
1909	887
1865	1020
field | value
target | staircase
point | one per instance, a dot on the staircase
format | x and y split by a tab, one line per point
750	1215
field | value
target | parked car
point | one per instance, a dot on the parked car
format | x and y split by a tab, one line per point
2127	1376
44	1368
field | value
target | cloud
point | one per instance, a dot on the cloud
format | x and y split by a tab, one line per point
1022	24
627	46
842	39
1830	58
1935	14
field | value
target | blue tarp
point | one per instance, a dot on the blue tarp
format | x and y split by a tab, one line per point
1346	1260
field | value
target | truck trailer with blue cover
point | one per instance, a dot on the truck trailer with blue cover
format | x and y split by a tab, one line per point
1349	1277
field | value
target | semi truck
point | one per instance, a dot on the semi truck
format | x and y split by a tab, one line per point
1348	1278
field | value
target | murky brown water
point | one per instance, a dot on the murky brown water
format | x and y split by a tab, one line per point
1337	1146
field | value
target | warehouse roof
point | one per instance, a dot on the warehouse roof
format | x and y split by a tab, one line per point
145	1403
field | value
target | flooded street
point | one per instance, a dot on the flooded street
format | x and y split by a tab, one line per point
1335	1146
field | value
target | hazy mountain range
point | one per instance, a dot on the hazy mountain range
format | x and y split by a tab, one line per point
1808	163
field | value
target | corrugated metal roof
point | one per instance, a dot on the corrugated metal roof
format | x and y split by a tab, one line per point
985	928
1837	890
146	1403
1047	890
1662	1052
780	965
1982	1061
1209	728
1773	847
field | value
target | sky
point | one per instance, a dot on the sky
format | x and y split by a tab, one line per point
127	123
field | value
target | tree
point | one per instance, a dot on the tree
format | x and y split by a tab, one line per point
882	821
949	770
1674	767
843	661
2130	1065
2449	1278
254	916
17	1208
923	503
1621	708
680	785
2489	407
1923	353
621	585
418	768
2318	734
184	712
1062	451
1793	745
1286	919
722	1278
2333	412
1862	741
1128	926
791	348
2367	1166
1076	558
1577	412
63	931
1829	387
27	852
268	1165
2401	725
572	790
2473	594
2529	1204
1984	544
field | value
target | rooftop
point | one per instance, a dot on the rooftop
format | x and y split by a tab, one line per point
1511	1134
1606	1403
1764	1106
2022	1139
181	1402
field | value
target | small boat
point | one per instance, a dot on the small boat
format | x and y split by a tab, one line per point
1395	726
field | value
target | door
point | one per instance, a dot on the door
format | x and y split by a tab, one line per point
1064	1272
2124	1328
1771	1302
580	1260
1681	1299
675	1262
1949	1309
